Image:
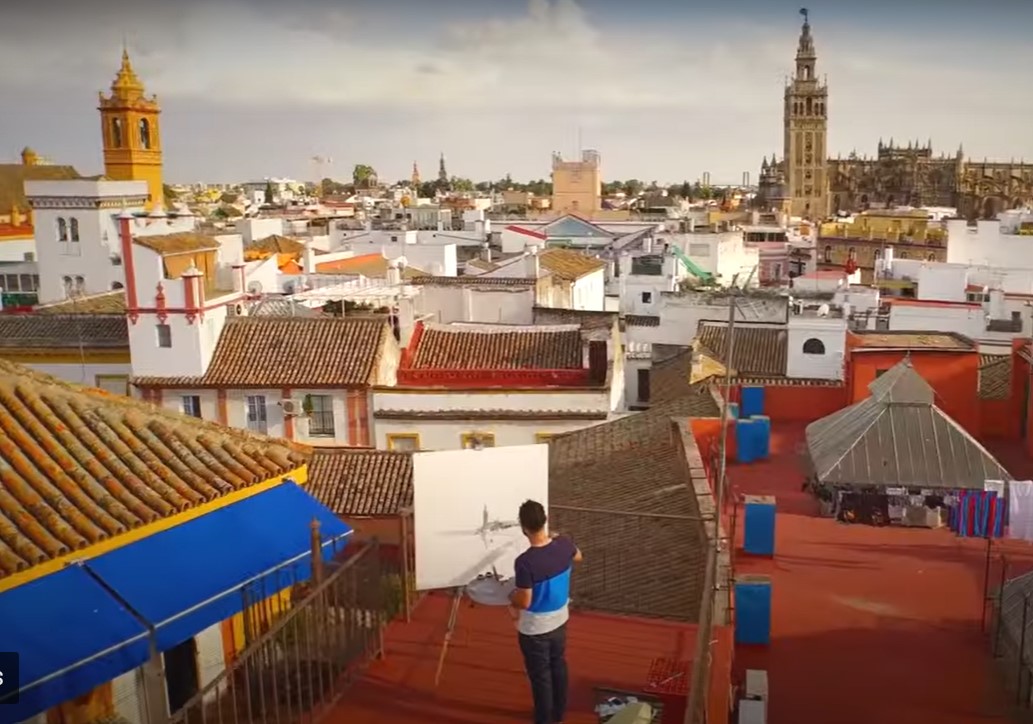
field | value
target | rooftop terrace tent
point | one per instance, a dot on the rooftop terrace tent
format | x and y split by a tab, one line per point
898	438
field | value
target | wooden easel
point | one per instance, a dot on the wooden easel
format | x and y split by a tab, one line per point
453	616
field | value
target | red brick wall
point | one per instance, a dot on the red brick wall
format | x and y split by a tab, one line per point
954	377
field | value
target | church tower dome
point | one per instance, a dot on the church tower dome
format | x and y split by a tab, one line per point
131	134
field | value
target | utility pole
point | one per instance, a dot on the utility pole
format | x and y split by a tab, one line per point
705	630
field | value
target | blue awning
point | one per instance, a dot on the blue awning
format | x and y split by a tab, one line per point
74	635
188	578
70	635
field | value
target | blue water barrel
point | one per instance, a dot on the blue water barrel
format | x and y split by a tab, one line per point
752	401
758	534
763	423
745	441
753	610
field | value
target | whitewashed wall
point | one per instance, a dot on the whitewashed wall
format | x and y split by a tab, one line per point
448	434
589	292
681	314
84	374
449	303
832	334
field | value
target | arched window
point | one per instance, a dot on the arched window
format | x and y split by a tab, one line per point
145	134
930	257
810	106
73	226
79	286
117	285
116	133
877	253
851	254
902	255
62	229
828	254
814	346
67	282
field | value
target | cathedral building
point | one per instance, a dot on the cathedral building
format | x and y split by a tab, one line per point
809	184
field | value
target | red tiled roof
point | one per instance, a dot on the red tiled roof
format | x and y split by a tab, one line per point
361	482
24	332
569	265
80	466
483	680
277	352
484	347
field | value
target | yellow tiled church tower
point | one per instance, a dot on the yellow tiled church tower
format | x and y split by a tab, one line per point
131	134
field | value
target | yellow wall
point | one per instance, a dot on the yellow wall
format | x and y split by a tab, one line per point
576	187
886	227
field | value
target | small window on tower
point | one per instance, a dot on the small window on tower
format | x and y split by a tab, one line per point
145	134
164	335
116	132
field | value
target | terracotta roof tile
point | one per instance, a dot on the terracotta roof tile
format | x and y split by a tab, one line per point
79	466
759	351
291	351
503	347
276	244
374	266
912	340
48	331
670	377
641	320
586	319
636	465
14	175
361	482
478	281
104	303
995	376
179	243
569	265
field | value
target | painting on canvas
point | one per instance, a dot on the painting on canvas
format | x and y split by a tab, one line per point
465	507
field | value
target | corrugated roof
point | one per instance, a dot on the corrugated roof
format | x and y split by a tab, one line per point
503	347
759	351
641	320
569	265
361	482
67	331
80	466
586	319
280	307
898	438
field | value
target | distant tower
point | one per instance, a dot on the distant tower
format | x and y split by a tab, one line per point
442	171
415	176
806	133
130	133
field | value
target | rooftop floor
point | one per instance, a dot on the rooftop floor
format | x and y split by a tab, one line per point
869	624
483	679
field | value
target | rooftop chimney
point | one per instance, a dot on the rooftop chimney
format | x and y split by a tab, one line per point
486	252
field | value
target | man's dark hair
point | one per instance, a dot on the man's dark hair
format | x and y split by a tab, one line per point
532	516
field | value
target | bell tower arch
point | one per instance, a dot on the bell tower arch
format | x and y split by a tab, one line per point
131	134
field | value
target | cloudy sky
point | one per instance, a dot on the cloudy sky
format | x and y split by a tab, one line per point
665	89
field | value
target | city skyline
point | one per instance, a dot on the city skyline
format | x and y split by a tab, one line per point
254	90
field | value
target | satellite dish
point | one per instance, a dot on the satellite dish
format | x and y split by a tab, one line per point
254	287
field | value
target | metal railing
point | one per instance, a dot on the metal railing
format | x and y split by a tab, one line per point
303	656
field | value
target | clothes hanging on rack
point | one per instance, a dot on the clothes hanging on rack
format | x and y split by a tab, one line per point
978	514
1020	510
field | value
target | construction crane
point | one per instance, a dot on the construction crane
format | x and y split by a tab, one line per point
319	164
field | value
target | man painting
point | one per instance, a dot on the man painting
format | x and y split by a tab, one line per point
539	603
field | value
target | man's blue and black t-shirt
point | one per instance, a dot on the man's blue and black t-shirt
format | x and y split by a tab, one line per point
545	570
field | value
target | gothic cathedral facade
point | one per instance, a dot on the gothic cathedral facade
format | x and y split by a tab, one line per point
806	183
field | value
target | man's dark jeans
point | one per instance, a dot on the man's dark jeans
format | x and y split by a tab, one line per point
546	664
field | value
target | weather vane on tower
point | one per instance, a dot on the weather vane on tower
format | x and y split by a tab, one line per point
803	11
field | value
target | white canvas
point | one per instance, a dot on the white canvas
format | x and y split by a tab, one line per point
465	505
